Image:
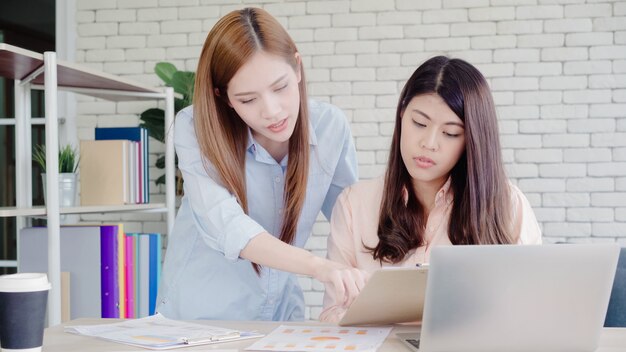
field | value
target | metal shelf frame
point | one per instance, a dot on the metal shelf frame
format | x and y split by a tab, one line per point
32	70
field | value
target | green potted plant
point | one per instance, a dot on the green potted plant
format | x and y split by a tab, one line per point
68	164
154	119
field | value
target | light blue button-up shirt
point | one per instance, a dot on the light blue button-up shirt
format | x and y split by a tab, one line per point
203	276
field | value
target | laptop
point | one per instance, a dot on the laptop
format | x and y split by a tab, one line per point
516	298
377	304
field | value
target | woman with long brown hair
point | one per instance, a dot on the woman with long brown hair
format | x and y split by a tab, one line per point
445	183
259	162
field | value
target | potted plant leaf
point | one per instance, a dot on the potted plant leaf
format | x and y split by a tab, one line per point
154	119
68	164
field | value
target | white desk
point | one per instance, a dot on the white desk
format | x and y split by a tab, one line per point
55	340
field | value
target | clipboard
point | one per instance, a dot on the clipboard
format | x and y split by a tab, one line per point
209	339
392	295
159	333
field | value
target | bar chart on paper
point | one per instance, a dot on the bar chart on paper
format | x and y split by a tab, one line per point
322	338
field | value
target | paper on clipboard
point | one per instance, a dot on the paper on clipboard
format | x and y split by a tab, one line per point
159	333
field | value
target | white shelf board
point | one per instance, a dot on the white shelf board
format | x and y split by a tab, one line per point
41	210
18	63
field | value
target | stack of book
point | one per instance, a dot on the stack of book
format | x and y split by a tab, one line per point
114	167
112	274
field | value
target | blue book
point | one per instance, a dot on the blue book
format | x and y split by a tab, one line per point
136	134
130	133
155	269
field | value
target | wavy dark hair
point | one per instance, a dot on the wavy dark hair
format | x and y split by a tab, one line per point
481	210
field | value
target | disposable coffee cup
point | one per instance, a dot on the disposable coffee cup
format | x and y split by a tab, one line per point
23	299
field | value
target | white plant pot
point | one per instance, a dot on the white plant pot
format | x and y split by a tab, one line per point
67	189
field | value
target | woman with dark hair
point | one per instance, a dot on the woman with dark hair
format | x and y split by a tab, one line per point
444	185
259	162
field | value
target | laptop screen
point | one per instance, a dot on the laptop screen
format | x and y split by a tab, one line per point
513	297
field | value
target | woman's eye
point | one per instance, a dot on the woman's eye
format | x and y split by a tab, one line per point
281	88
247	101
453	135
419	124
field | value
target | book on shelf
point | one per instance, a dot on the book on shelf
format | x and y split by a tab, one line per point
148	272
104	175
65	297
109	256
129	275
143	294
140	169
106	279
136	269
155	271
121	277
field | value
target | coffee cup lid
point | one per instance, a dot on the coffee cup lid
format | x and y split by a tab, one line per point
24	282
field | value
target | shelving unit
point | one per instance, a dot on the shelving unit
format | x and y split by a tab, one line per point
32	70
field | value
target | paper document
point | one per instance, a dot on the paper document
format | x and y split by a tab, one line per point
159	333
322	338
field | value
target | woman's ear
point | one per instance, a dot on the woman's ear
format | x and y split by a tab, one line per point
220	96
298	67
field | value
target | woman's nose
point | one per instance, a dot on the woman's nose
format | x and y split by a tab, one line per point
429	141
271	107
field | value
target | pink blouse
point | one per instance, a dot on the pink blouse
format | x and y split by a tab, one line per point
354	222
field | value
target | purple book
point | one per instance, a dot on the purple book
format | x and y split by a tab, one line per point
108	272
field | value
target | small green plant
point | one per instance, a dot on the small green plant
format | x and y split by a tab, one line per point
68	160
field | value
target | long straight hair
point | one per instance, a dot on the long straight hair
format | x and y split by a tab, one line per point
222	135
481	212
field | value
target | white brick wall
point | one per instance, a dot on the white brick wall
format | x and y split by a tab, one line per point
557	69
